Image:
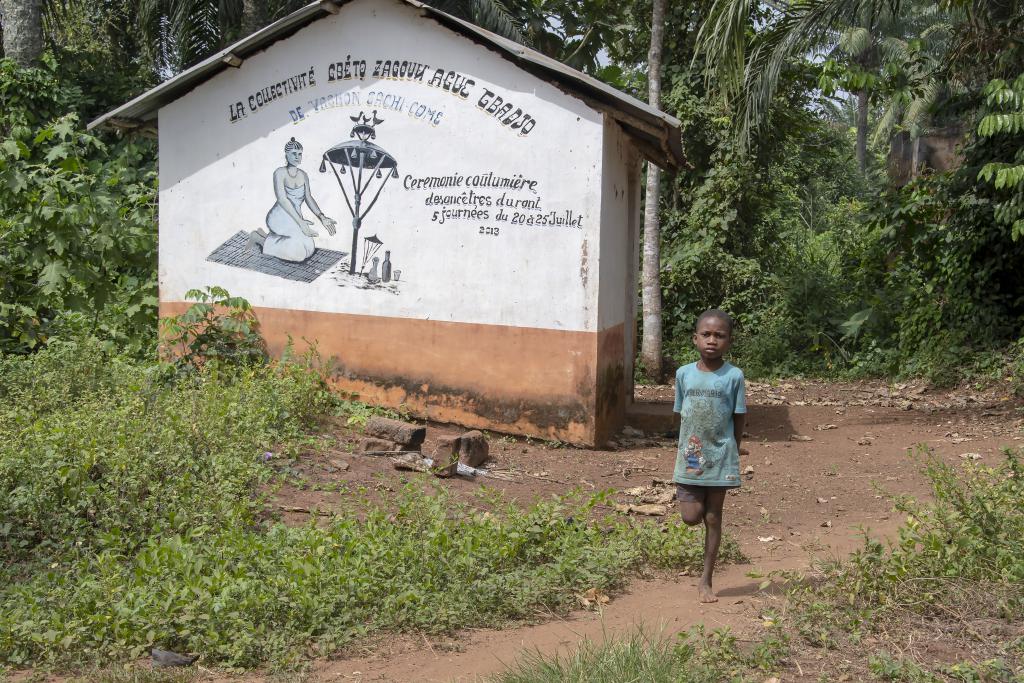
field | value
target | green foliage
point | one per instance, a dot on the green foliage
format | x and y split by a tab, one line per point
885	667
963	551
771	238
131	515
77	221
1005	119
99	453
218	327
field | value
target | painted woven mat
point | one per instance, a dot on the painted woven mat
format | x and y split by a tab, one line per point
234	253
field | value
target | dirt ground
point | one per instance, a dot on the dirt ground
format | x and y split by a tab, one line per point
824	457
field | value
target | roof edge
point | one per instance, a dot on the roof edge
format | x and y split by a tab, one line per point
634	115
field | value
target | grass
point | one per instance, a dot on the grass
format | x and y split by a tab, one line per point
697	656
130	517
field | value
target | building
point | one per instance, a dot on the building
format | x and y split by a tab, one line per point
451	216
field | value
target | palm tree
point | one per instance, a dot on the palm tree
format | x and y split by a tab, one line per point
747	71
182	32
650	344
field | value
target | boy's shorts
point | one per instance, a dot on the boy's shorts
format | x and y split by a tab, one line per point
693	493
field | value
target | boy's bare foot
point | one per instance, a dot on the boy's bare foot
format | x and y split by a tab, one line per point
705	594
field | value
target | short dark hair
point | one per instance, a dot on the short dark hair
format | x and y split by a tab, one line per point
715	313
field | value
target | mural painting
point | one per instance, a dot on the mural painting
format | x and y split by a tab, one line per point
285	247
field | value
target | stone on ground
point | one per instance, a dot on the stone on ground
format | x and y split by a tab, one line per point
473	449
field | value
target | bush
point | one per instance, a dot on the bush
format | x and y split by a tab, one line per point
131	516
77	221
961	554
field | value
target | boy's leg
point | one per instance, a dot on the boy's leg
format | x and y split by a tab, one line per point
691	503
713	504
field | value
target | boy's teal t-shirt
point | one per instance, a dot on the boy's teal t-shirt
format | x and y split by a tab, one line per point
708	454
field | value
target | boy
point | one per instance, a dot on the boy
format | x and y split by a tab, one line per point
711	402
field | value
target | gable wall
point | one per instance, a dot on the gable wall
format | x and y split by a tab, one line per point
493	320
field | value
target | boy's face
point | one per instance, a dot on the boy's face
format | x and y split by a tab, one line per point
712	338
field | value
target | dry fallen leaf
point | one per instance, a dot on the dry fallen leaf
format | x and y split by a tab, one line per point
971	456
827	524
822	500
799	437
767	539
593	596
749	469
825	427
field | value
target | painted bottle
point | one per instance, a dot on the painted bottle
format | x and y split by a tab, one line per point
372	275
385	268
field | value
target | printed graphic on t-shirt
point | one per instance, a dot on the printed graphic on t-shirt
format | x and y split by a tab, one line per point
706	402
694	457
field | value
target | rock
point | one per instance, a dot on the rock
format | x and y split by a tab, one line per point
446	468
373	445
799	437
971	456
767	539
412	462
825	427
827	524
652	509
339	465
748	470
166	658
822	501
409	436
446	448
473	449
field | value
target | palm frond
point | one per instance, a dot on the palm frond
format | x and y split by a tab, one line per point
855	40
920	107
747	73
893	49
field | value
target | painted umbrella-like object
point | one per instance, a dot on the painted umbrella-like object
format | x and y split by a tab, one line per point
364	163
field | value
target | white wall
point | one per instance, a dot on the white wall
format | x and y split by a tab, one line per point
618	226
216	177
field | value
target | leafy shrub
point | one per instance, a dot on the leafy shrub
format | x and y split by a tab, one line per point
218	328
97	453
962	552
77	220
130	516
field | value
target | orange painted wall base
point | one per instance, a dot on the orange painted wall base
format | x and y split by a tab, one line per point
551	384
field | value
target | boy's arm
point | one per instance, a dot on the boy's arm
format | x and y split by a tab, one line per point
738	421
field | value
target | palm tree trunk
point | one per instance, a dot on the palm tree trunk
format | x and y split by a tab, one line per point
251	20
650	343
23	30
862	131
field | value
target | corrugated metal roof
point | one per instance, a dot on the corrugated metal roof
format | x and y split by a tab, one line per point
655	133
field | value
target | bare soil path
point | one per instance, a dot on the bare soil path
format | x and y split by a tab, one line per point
825	458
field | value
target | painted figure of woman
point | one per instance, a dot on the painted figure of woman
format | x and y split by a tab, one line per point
291	237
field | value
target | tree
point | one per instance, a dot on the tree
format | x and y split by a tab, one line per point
23	30
650	345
